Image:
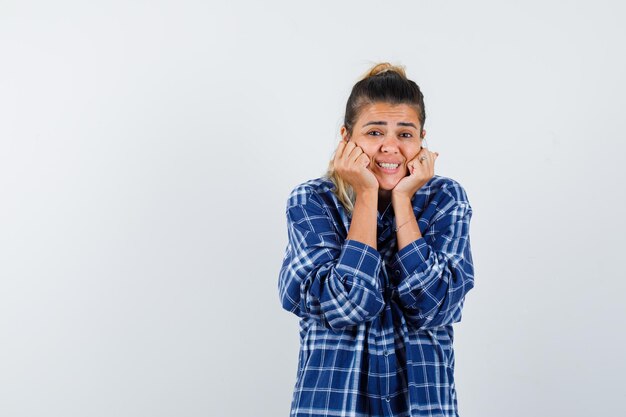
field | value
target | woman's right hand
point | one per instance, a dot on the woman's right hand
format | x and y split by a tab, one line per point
351	163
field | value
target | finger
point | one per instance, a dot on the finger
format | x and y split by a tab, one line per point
339	151
355	154
346	150
415	161
341	146
363	159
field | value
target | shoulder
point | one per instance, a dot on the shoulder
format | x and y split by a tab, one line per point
446	188
442	199
311	191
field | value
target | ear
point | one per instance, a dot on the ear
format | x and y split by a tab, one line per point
423	133
344	133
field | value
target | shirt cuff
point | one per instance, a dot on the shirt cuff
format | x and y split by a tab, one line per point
407	260
358	258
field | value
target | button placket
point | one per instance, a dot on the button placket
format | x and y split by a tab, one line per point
387	366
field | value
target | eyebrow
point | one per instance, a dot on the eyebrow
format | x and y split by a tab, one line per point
381	122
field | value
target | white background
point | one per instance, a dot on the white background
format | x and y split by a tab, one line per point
147	150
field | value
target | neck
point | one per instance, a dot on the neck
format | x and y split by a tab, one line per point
384	197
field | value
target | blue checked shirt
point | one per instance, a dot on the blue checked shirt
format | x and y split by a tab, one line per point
376	324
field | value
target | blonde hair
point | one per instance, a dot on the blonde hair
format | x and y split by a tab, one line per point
383	82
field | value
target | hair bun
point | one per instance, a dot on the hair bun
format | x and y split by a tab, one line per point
385	67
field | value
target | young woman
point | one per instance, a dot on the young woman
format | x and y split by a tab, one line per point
377	264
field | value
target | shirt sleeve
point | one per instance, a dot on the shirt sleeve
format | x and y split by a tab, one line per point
433	278
334	282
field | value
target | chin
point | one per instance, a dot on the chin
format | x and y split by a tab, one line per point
387	185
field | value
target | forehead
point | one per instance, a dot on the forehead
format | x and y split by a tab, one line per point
388	112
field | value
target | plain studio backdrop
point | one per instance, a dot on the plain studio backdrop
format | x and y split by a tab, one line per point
147	150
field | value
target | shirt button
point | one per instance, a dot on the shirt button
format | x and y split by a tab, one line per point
397	272
385	353
387	399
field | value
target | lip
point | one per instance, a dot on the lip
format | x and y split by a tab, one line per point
388	162
389	170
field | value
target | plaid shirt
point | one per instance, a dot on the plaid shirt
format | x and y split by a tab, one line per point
376	325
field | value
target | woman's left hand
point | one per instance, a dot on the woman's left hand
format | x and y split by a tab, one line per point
420	172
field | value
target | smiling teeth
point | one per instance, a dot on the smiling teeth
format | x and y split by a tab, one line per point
390	166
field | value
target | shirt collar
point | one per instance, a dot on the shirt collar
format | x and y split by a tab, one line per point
386	215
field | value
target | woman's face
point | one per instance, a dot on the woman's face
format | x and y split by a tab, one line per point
387	133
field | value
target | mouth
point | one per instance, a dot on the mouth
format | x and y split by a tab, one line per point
388	168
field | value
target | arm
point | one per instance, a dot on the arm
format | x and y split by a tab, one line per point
434	273
363	225
332	281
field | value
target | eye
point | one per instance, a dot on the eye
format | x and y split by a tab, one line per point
377	133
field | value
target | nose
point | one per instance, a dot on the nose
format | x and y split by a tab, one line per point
390	144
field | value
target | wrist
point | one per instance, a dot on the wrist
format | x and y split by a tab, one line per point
369	194
399	198
366	190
